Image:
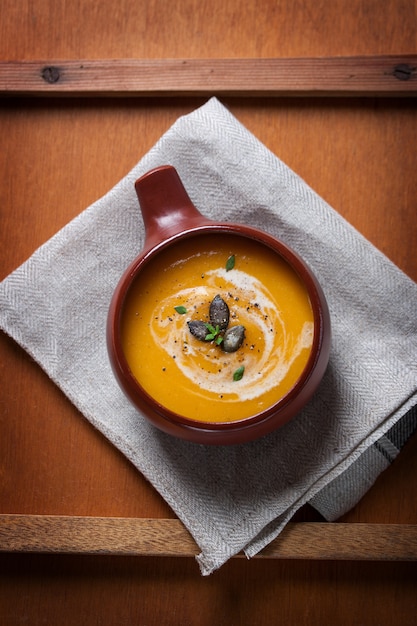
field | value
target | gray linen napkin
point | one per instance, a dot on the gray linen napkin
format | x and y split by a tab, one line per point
239	497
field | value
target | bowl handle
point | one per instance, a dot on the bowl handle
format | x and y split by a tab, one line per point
165	205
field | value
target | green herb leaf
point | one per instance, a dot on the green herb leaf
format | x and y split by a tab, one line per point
238	375
213	333
180	309
230	263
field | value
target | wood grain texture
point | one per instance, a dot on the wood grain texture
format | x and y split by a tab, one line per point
347	76
169	538
152	29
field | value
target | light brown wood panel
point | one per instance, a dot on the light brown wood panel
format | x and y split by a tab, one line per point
60	534
383	75
33	29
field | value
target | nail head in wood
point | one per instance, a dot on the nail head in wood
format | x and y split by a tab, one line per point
403	71
51	74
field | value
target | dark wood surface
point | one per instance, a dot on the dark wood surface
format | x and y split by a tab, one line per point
59	155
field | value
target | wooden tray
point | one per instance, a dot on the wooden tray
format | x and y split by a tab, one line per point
340	76
168	537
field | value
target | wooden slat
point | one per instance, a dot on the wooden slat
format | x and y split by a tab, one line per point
168	537
389	75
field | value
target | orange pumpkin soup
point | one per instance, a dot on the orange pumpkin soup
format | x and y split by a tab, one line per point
197	378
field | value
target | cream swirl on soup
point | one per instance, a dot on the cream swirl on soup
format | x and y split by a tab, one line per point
196	378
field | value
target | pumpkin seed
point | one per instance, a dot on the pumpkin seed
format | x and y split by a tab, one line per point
198	329
219	313
233	338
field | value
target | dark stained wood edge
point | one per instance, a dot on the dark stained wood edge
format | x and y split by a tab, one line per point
168	537
385	75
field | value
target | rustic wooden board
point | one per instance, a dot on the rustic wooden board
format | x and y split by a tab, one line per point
168	537
340	76
389	75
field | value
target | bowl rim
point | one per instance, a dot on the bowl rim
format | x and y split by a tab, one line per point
160	414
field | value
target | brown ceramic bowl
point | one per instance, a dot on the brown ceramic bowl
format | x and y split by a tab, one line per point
170	217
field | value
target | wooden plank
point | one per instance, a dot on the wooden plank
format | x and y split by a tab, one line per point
387	75
168	537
